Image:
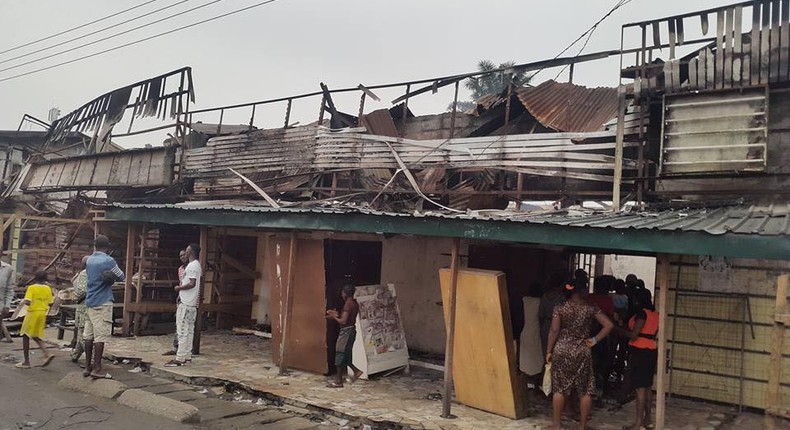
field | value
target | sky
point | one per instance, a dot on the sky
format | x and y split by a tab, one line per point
289	46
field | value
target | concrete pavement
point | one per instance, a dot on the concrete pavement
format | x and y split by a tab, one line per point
34	397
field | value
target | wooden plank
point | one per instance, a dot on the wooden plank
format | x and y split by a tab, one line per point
307	339
656	34
662	282
693	84
765	43
710	70
672	38
702	64
754	49
784	42
618	152
449	347
289	294
775	41
737	65
127	283
249	273
140	271
202	307
484	372
773	400
676	78
728	48
720	50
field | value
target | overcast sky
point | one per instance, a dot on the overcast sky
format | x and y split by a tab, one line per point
289	46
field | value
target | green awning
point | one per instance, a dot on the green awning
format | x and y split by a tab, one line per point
617	240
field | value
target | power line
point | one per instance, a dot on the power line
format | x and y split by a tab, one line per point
618	5
112	36
140	40
591	31
47	48
77	27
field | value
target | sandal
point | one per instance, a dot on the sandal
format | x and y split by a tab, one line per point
47	361
334	385
355	377
98	376
22	366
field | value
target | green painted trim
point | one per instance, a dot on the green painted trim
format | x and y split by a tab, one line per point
618	240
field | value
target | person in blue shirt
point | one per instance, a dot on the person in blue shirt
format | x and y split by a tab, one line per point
103	272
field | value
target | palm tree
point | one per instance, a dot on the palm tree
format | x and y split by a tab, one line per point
491	83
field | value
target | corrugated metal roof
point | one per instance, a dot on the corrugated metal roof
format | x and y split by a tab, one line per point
763	220
567	107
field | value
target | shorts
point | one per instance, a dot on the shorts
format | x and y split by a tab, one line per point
642	364
98	323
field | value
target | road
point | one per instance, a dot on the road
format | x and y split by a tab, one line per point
32	399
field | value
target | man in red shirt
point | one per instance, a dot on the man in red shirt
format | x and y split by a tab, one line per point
603	352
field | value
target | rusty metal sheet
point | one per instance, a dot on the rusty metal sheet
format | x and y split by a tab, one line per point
567	107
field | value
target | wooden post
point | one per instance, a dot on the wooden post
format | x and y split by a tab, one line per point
140	272
663	286
450	343
618	149
127	283
772	399
201	291
289	300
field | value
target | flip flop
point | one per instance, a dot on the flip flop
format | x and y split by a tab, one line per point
22	366
86	372
47	361
334	385
97	376
355	376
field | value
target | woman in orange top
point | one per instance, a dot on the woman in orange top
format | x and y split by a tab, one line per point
37	298
643	355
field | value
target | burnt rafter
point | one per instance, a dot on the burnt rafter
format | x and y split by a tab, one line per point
164	96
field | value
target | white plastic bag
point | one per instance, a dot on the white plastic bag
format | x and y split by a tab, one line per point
547	380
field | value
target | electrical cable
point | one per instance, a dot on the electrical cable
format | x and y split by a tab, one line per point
77	27
194	24
591	31
618	5
65	51
47	48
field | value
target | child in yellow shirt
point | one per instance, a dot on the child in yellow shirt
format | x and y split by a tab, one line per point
37	298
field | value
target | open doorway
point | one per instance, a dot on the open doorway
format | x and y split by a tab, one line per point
346	261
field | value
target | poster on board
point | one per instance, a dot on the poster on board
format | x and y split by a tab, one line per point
381	342
715	274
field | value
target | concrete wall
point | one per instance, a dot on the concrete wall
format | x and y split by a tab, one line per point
412	264
620	266
260	307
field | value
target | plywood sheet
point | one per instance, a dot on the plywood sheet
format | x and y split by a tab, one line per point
306	330
484	364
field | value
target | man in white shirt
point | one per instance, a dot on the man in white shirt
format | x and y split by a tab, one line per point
7	293
186	314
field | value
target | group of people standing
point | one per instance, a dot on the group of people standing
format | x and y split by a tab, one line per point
93	292
580	354
94	311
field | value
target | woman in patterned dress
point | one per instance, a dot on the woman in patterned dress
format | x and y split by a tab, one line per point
569	352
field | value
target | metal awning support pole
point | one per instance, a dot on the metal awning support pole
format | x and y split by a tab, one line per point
202	290
131	239
663	285
450	344
289	300
618	149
